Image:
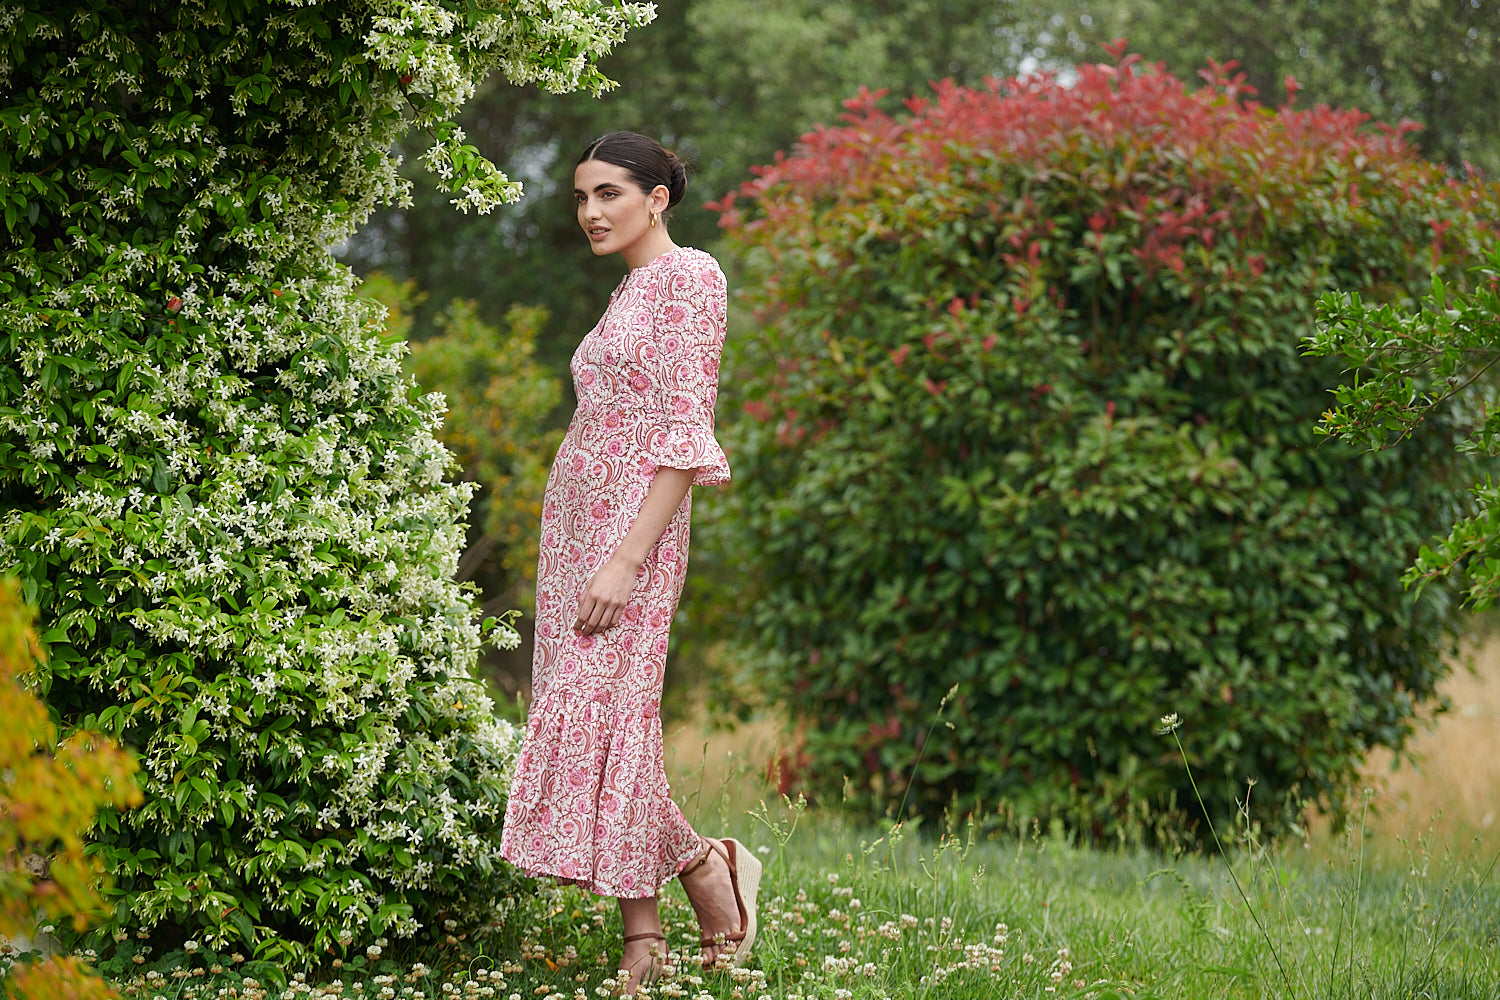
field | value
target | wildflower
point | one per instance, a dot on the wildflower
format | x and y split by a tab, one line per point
1169	724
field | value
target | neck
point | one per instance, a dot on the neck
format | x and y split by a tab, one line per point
649	247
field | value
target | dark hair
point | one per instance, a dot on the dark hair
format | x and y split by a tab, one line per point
644	159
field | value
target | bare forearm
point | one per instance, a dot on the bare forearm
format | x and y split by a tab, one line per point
662	500
604	596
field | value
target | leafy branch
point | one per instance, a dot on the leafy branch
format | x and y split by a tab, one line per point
1410	367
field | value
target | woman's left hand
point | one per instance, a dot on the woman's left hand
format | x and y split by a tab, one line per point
604	597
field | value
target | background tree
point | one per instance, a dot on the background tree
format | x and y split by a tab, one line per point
224	497
1411	366
1030	437
500	403
1433	63
727	84
730	83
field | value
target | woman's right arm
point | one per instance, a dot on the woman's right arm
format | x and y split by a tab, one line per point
608	591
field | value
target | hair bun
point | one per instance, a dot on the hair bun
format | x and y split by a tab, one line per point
644	159
678	186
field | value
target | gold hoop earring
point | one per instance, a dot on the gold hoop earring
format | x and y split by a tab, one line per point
655	218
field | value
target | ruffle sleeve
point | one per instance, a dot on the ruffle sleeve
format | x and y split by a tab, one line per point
689	319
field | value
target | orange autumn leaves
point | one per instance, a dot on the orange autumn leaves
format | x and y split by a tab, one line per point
50	792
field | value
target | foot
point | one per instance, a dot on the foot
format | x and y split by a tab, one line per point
710	891
644	961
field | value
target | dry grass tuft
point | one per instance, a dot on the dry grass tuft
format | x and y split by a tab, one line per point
1452	787
1448	793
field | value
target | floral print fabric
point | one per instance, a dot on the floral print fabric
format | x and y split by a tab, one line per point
590	801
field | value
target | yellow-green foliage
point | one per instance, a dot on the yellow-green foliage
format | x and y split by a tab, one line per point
499	398
49	794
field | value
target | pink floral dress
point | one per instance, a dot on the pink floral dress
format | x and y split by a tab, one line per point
590	801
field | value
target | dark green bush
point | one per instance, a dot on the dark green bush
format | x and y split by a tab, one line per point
1027	418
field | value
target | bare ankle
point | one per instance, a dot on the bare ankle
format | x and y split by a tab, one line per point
696	863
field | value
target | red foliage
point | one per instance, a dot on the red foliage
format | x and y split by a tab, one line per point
757	410
1139	111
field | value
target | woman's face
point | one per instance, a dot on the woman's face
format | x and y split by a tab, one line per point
613	211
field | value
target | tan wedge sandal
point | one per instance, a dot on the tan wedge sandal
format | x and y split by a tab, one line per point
744	879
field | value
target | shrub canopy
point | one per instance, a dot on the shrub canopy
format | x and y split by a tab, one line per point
216	485
1027	421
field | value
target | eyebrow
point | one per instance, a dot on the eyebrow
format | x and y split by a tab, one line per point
600	187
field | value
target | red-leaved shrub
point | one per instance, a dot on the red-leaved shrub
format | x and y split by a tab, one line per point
1027	417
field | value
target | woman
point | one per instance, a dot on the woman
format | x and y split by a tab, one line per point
590	803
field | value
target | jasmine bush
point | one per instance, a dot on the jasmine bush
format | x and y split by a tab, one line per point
226	501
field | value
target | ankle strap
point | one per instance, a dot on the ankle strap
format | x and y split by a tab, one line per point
645	936
701	858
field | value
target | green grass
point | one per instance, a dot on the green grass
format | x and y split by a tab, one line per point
851	913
